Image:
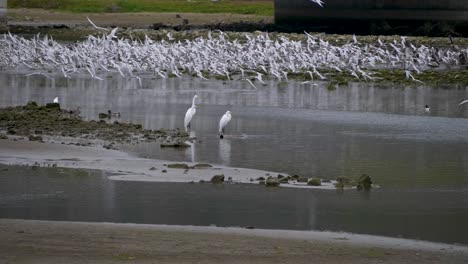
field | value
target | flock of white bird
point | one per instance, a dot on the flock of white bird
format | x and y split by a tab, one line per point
255	58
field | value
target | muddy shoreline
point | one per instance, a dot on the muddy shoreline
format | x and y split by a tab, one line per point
31	241
37	122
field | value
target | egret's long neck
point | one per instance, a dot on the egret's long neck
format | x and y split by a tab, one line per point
193	101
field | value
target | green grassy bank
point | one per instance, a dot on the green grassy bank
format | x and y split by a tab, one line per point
254	7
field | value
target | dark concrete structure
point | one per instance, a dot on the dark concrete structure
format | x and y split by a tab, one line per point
444	10
3	14
409	13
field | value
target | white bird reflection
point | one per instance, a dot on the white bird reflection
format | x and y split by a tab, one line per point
190	152
225	151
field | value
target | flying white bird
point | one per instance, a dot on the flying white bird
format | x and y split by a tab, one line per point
96	27
318	2
190	113
463	102
56	100
251	83
223	123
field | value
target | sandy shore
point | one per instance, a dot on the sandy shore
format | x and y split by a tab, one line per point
125	166
29	241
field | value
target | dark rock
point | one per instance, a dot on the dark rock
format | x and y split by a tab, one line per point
260	179
302	179
202	166
35	138
364	182
152	169
178	166
62	26
218	178
31	105
53	105
283	180
343	179
295	177
2	136
314	181
174	145
103	115
280	176
164	171
272	182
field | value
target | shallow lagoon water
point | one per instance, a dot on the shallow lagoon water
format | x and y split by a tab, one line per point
77	195
419	159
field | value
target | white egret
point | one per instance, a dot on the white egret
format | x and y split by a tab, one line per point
223	123
56	101
190	113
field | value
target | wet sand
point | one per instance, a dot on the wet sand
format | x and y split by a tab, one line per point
30	241
125	166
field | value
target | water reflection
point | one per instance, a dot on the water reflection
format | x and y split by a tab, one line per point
225	151
190	152
118	94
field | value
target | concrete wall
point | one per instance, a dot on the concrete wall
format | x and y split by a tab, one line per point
3	14
306	10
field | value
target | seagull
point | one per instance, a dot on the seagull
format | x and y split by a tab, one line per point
259	77
96	27
223	123
56	101
463	102
251	83
318	2
190	113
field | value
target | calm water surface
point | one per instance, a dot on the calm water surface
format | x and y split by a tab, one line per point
419	159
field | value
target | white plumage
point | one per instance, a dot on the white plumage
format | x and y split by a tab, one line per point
318	2
190	113
223	123
463	102
56	100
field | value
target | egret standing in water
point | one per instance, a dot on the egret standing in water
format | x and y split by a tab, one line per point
223	123
190	113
